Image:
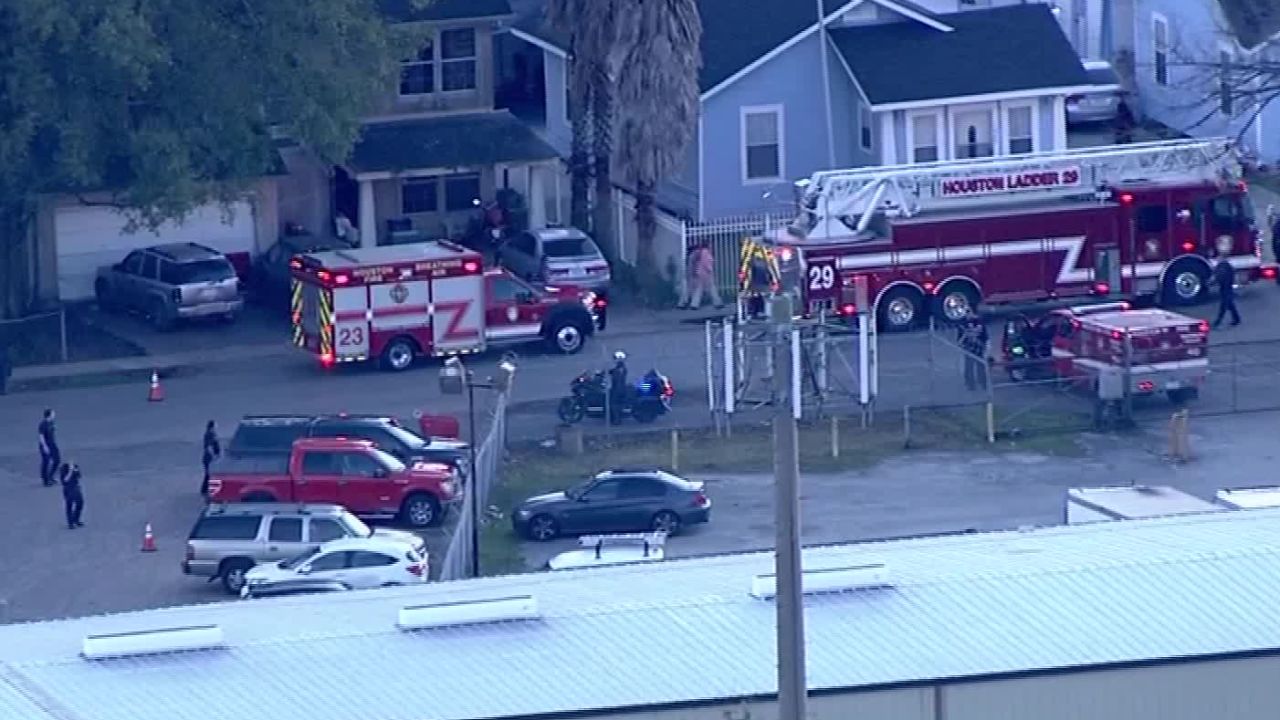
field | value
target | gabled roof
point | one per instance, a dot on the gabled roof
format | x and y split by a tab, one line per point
998	50
1253	21
440	10
957	608
447	141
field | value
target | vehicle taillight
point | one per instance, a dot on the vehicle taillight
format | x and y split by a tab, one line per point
323	275
700	500
601	302
668	389
1126	198
295	264
1102	288
470	266
1117	335
1269	273
848	309
414	569
326	359
1146	386
1204	326
341	279
1188	246
191	552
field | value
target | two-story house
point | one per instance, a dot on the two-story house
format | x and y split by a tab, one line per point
898	84
1195	64
437	149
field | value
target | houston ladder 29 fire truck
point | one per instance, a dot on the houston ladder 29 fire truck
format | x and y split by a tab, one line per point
1099	223
399	302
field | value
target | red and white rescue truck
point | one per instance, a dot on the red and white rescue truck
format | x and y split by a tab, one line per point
400	302
1111	351
939	238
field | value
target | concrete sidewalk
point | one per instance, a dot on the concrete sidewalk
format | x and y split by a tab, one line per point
623	323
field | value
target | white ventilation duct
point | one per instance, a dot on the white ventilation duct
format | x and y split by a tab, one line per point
152	642
470	612
827	580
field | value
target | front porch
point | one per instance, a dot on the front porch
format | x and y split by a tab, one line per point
428	178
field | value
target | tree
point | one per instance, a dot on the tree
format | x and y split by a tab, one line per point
659	102
168	104
593	29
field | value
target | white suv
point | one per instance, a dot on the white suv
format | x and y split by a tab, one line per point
351	563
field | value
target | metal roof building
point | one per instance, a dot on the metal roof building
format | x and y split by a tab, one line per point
1169	617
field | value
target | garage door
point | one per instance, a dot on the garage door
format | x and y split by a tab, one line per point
90	237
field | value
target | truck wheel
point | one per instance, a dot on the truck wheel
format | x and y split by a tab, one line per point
1185	283
421	510
570	411
398	355
566	337
955	301
232	573
900	309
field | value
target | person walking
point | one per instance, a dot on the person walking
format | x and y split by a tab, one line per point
212	450
690	278
704	275
72	495
50	457
1225	277
973	338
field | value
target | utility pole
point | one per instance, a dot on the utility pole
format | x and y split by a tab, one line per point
792	688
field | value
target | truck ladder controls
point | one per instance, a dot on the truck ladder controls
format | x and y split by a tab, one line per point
907	190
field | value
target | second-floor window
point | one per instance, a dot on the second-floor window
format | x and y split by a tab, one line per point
1160	47
445	63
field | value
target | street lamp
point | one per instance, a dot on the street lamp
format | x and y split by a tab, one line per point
455	379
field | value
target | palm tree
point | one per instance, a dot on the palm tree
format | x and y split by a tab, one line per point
593	30
658	102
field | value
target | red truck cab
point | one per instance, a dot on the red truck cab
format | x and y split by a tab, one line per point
353	473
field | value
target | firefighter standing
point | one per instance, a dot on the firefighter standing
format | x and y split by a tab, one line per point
972	337
1225	277
212	451
50	457
72	495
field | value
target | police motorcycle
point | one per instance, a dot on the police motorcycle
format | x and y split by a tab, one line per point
589	395
1025	350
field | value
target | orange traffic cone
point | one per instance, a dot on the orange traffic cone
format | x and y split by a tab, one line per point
156	393
148	540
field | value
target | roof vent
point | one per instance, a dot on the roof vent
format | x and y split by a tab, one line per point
471	612
827	580
152	642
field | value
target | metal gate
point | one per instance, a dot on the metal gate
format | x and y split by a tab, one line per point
725	236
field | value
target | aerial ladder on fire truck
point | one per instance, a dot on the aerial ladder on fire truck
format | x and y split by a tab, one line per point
838	203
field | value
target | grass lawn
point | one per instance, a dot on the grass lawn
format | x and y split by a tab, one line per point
532	469
38	341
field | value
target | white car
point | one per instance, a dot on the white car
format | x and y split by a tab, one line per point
599	550
345	564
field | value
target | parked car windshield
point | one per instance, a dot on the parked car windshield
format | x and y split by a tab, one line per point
297	561
568	247
202	271
355	525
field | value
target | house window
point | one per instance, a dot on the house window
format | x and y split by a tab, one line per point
924	131
1160	47
1225	91
972	133
762	133
864	126
418	196
461	192
417	76
458	59
1020	120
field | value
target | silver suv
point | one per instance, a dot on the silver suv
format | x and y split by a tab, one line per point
167	283
229	539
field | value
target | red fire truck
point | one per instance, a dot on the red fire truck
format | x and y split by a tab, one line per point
399	302
939	238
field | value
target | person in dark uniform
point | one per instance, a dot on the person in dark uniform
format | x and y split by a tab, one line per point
1225	277
72	495
617	386
972	337
212	451
50	457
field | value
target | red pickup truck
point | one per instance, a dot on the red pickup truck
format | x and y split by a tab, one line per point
353	473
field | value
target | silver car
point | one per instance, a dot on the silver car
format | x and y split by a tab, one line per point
1101	103
558	256
167	283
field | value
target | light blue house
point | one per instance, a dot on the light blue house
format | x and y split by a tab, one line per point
1187	58
885	82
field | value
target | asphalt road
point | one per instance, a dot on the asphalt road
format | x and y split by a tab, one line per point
141	459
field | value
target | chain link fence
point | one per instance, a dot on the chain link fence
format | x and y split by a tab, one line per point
36	339
490	453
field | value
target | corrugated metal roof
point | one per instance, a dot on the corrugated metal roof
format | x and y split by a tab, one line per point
962	605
